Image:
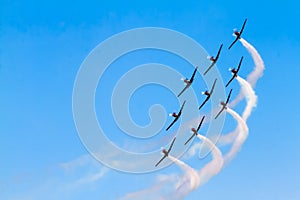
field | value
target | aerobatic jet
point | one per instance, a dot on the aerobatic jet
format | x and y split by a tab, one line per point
176	116
195	131
235	71
224	105
208	94
238	34
188	82
166	152
214	60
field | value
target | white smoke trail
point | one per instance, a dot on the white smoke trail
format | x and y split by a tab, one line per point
184	185
189	182
255	74
241	137
251	98
193	179
259	63
214	167
252	79
238	137
152	192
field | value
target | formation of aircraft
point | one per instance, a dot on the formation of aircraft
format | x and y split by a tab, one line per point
235	71
176	116
188	82
208	94
224	105
195	131
214	60
238	34
166	152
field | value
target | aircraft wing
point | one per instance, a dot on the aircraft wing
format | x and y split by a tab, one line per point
194	134
160	160
218	54
220	112
230	80
207	98
236	39
211	65
171	145
224	106
190	138
172	123
180	111
193	76
242	29
200	123
235	74
214	62
186	87
178	115
167	151
213	87
239	66
228	96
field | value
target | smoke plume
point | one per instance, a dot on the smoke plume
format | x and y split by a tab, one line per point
191	179
257	72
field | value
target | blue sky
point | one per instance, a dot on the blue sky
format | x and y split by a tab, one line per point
43	46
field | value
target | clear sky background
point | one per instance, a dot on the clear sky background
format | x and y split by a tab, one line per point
42	46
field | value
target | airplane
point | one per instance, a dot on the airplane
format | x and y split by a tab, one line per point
176	115
208	94
195	132
235	71
224	104
238	34
166	152
188	82
214	60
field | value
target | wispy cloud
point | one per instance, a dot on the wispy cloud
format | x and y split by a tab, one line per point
157	190
64	182
76	163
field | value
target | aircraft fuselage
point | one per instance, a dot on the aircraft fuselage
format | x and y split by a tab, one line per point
194	130
165	152
187	81
238	35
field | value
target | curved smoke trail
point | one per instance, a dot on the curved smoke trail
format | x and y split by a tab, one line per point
240	134
189	182
153	192
251	98
257	72
251	82
241	137
186	183
214	167
238	137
